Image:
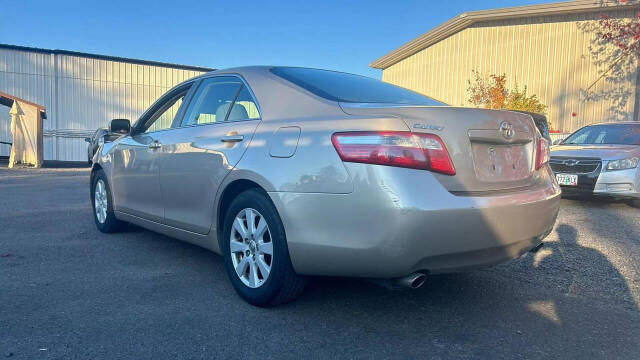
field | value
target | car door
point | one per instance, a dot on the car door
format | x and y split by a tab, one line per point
215	131
136	185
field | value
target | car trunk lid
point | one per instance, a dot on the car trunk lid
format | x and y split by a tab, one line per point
491	150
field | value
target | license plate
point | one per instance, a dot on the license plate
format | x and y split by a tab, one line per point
499	163
567	180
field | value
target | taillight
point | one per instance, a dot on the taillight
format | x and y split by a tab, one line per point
394	148
542	153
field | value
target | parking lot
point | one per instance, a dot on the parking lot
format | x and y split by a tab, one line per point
68	291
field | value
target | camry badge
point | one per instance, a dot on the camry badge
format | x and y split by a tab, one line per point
506	129
428	127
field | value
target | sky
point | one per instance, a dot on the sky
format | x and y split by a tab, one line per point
336	35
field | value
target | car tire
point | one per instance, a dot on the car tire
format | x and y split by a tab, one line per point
102	203
251	252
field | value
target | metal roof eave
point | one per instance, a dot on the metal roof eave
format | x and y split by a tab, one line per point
105	57
464	20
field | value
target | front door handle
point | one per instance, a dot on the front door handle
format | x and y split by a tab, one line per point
155	145
232	138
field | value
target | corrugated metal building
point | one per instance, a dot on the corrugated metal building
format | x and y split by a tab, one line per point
543	47
81	92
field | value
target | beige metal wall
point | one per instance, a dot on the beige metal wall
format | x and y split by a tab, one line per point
548	54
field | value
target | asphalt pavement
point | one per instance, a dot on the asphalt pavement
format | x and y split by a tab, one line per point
68	291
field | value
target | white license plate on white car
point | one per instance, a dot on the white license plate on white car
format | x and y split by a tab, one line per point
567	179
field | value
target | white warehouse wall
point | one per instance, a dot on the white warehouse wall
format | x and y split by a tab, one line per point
81	92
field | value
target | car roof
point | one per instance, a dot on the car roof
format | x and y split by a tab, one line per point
265	68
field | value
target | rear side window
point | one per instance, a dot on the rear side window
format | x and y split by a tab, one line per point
212	100
220	99
343	87
244	108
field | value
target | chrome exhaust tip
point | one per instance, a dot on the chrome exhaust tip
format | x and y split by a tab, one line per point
412	281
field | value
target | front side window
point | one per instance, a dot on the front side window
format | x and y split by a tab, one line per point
162	118
614	134
212	102
343	87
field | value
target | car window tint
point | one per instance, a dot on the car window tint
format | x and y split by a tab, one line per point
212	101
614	134
163	118
244	108
343	87
579	138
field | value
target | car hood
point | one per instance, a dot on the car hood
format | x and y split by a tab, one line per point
604	152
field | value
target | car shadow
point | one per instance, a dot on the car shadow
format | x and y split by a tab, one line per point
544	301
565	299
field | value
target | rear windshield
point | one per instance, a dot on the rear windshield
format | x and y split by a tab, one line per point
618	134
343	87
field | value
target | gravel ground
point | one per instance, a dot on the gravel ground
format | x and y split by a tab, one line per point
68	291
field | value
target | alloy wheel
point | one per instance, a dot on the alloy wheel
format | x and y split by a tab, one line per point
251	248
100	201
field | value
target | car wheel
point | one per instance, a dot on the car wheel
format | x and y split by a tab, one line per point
255	252
102	202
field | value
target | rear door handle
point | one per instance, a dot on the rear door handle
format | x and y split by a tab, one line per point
232	138
155	145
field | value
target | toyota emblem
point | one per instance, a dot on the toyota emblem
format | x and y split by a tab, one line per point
506	129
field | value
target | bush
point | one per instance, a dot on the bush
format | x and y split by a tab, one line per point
491	92
519	100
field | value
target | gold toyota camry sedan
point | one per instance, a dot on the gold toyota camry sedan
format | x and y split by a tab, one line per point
294	172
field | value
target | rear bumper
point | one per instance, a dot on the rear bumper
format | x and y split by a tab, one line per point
398	221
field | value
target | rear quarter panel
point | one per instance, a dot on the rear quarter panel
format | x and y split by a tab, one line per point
315	167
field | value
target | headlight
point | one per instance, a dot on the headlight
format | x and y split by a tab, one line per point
623	164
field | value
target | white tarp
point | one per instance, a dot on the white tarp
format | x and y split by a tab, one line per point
27	134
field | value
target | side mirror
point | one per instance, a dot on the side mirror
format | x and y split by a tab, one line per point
557	141
87	140
120	126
